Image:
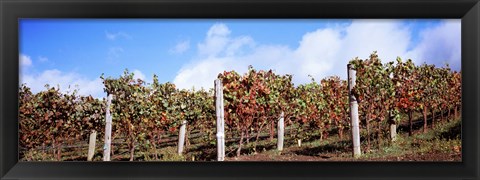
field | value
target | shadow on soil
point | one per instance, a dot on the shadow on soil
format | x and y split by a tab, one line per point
417	124
336	147
453	133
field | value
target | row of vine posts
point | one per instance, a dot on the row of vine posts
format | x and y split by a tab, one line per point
219	107
131	101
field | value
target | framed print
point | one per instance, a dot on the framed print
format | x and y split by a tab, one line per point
239	89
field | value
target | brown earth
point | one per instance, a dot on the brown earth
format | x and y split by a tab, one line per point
456	157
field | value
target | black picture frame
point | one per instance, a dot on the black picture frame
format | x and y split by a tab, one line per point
467	10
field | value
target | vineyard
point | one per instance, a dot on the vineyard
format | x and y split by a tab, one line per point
147	118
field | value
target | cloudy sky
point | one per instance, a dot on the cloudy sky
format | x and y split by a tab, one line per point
191	53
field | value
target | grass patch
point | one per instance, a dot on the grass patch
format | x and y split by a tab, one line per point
443	138
170	154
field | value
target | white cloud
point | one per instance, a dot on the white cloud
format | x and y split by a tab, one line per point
42	59
235	46
218	29
320	53
216	40
64	80
317	52
440	45
203	73
55	78
137	74
25	60
114	36
181	47
390	38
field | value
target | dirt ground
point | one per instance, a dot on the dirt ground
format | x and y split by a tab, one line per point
333	157
442	143
334	152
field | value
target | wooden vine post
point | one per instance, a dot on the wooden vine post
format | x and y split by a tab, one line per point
220	120
181	137
108	130
280	131
393	128
353	112
91	145
393	132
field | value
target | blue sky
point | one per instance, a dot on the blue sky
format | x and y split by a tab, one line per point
192	52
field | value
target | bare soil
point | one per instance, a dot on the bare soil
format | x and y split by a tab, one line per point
457	157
